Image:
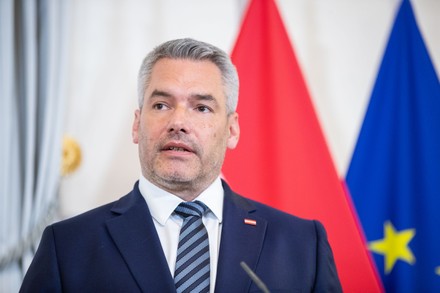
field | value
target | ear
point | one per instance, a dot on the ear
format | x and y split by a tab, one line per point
234	131
135	127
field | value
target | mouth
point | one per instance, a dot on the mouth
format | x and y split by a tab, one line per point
177	147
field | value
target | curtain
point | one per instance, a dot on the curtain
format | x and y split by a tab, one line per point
32	61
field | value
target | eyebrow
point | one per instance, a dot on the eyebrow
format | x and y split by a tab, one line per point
158	93
198	97
201	97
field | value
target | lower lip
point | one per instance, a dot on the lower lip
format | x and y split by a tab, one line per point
177	153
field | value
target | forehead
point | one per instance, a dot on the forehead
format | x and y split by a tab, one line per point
186	69
184	78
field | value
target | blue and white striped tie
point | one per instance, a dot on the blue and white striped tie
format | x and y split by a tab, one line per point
192	271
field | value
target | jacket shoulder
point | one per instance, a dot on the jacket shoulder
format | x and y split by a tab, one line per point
96	217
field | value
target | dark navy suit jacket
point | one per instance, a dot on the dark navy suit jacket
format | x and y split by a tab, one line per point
115	248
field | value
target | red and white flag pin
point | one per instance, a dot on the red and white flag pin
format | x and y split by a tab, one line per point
250	222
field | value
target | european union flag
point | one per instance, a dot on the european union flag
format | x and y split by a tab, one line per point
394	176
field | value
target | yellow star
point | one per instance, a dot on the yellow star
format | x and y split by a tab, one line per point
394	246
437	270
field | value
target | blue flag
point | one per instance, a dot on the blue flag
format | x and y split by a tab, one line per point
394	175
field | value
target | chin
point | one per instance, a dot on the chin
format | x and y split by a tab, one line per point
177	177
179	172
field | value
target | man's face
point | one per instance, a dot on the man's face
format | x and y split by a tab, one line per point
183	128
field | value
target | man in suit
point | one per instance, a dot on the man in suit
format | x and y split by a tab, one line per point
188	93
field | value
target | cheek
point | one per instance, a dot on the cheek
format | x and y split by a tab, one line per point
149	128
145	137
206	131
216	132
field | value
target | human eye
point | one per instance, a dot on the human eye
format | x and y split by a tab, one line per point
203	109
160	106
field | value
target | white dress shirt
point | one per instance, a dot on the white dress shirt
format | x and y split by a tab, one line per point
162	205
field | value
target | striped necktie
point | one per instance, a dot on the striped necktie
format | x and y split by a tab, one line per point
192	263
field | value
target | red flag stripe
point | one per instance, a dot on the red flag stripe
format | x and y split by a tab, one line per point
282	158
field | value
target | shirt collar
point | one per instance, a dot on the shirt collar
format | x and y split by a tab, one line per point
162	203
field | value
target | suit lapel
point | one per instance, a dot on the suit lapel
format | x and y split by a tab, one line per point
135	236
240	241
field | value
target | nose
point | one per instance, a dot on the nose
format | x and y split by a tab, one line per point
179	121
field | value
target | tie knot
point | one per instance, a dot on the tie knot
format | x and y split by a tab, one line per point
189	209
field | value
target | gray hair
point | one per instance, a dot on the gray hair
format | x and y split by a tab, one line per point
192	50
